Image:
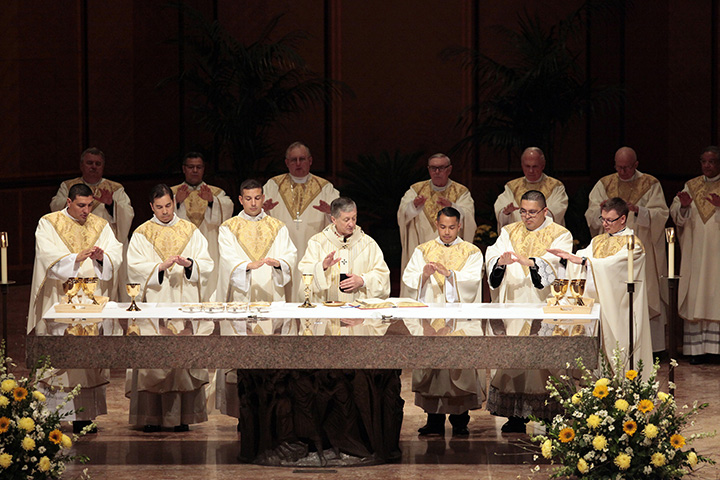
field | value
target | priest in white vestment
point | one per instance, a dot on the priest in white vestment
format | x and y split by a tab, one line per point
647	216
258	258
110	202
447	270
421	203
520	270
604	263
695	212
74	243
168	257
205	206
301	201
507	205
345	262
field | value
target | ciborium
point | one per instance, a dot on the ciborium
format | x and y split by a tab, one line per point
577	289
307	279
559	288
133	289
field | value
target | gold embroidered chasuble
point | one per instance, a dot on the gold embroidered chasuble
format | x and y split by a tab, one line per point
195	206
533	243
104	184
77	237
167	240
631	191
431	208
700	189
297	197
606	245
452	257
520	185
255	237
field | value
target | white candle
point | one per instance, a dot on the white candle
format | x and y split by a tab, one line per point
631	251
3	255
670	236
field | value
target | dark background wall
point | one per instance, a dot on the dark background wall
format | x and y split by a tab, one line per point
83	73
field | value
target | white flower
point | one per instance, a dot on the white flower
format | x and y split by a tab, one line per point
673	362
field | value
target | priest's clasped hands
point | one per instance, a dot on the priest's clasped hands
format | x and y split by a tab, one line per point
263	261
93	253
172	260
431	267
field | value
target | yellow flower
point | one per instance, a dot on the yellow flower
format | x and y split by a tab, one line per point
599	442
27	424
622	405
38	396
19	394
677	441
692	459
5	460
4	402
56	436
602	382
44	464
645	406
547	448
657	459
582	466
566	434
663	396
594	421
4	424
8	385
631	374
28	444
630	427
600	391
66	442
623	461
650	431
577	398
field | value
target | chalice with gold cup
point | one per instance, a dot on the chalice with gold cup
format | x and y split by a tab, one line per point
577	290
133	290
72	287
559	288
307	279
89	285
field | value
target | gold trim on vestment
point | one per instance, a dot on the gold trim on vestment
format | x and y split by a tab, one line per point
167	240
255	237
533	243
104	184
519	186
605	245
452	257
700	189
297	197
195	206
431	208
631	191
77	237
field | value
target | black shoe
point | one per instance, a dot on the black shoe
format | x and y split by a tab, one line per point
697	359
183	427
429	429
78	426
460	432
151	428
514	425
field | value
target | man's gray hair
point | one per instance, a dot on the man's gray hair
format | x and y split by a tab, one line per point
712	149
295	145
534	196
440	155
341	204
92	151
533	150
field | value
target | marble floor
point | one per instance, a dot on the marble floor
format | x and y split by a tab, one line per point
209	450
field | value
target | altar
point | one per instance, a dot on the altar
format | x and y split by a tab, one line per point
321	386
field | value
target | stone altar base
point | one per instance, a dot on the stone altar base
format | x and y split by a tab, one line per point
322	418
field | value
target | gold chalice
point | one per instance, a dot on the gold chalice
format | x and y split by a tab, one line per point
559	288
73	287
89	285
133	290
577	289
307	279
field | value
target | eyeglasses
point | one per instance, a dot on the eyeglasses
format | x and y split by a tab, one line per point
607	220
441	168
529	213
